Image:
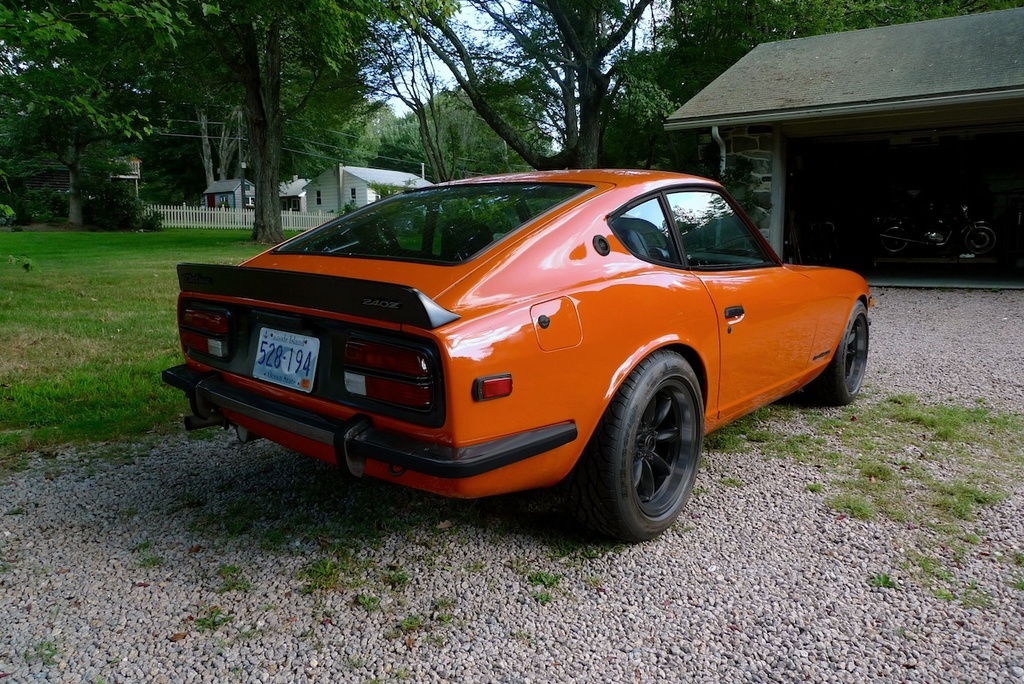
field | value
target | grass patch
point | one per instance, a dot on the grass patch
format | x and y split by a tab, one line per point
88	329
933	467
878	455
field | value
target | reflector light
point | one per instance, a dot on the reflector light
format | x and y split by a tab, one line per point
493	387
387	358
216	322
205	331
205	345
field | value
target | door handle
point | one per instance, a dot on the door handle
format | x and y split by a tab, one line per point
734	312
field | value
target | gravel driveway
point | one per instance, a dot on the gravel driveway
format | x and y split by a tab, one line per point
180	560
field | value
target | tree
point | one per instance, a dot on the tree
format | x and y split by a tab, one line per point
538	65
65	74
281	54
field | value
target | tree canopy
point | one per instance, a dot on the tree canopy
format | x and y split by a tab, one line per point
196	88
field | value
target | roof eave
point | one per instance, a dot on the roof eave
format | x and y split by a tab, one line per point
837	111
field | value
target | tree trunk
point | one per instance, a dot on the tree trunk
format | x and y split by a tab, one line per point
262	81
204	144
228	145
74	165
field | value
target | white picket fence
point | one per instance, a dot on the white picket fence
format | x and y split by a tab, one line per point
202	217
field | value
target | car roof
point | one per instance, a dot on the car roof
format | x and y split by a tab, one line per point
614	177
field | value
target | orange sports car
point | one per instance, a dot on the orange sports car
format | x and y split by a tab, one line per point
512	332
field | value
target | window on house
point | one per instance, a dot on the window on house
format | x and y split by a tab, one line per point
352	194
318	198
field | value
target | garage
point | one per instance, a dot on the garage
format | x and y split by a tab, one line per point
896	151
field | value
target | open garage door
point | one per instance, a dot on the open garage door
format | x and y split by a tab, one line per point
949	202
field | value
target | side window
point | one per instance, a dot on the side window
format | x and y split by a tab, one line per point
713	235
644	231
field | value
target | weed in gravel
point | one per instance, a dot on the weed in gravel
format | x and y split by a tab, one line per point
412	623
211	618
274	540
17	510
974	596
45	652
396	577
367	602
148	559
815	487
232	579
544	579
882	581
731	482
323	575
853	505
239	517
1017	582
928	568
960	499
541	597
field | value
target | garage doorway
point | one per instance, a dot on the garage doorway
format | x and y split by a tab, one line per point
846	194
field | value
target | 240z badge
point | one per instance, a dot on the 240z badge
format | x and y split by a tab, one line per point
381	303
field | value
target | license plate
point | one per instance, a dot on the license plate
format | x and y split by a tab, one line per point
287	359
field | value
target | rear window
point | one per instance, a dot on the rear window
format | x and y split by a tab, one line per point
444	224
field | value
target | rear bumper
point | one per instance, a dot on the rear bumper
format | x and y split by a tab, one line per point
356	439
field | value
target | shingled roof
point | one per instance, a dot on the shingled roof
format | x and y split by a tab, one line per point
972	58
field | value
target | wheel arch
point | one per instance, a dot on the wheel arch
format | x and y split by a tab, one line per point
684	349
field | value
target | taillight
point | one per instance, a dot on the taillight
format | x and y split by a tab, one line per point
206	331
389	373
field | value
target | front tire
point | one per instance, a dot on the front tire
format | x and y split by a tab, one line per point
840	382
980	239
638	469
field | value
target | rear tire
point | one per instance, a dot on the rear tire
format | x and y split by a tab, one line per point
840	382
638	469
892	239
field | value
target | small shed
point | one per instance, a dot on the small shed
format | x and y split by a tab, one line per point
839	131
354	186
227	194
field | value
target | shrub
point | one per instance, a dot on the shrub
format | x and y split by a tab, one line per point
110	206
150	221
42	206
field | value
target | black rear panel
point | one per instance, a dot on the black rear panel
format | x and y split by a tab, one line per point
329	380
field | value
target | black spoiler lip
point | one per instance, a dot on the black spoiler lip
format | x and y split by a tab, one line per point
365	298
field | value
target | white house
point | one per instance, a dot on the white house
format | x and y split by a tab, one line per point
343	185
293	194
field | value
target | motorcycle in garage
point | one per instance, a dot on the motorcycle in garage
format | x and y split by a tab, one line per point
937	231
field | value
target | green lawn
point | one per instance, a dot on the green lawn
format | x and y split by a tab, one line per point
85	332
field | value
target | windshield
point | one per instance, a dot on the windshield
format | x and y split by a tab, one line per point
443	224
